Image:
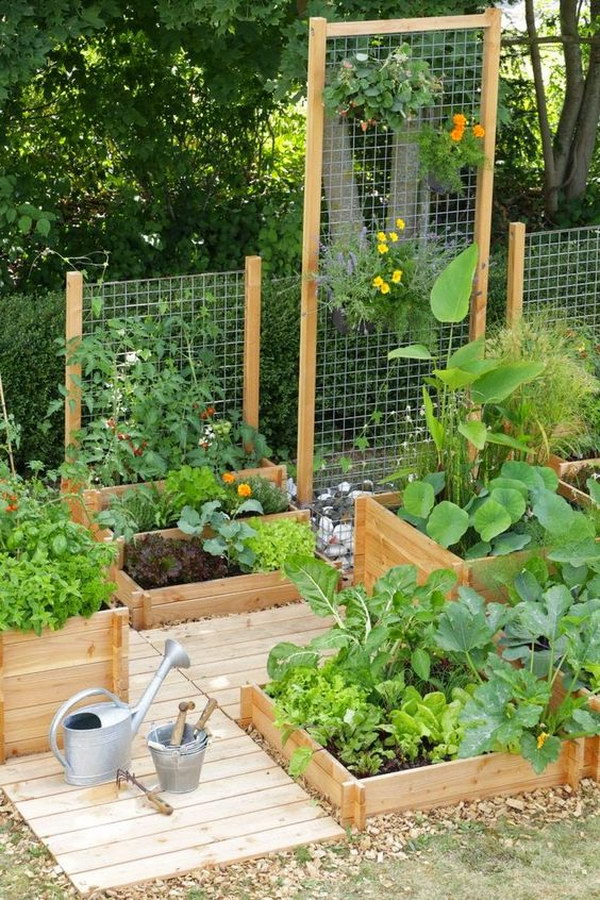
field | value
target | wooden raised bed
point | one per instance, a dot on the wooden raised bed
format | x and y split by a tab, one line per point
94	500
38	673
219	597
382	540
440	784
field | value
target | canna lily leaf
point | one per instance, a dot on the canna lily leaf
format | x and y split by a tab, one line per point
495	386
475	432
451	292
412	351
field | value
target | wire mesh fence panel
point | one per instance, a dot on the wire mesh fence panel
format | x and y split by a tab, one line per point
367	412
561	275
201	316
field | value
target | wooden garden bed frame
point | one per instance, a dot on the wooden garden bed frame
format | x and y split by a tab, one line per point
218	597
382	540
440	784
92	501
39	672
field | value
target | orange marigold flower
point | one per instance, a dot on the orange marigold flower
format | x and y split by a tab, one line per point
244	490
457	134
478	131
459	120
228	478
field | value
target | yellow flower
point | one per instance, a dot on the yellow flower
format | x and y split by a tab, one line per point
381	237
377	282
397	276
542	738
383	248
244	490
393	237
228	478
385	288
401	224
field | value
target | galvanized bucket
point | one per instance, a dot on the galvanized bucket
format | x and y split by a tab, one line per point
178	768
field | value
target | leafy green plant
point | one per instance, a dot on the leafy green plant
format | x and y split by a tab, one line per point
193	486
144	507
550	409
381	91
445	152
378	636
223	535
455	425
273	543
149	402
51	567
508	513
380	280
514	709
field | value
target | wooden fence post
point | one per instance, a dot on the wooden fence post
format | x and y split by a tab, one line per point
252	316
485	175
516	269
73	332
310	258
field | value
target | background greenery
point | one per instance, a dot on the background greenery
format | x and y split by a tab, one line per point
163	137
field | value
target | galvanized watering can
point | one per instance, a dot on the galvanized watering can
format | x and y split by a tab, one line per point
97	739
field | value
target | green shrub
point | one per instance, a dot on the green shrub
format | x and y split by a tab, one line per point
32	370
275	542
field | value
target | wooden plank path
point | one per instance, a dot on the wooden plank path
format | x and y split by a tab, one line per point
246	805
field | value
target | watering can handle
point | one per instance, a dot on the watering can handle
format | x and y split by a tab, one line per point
63	710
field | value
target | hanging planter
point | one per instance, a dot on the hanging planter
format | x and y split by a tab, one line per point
340	322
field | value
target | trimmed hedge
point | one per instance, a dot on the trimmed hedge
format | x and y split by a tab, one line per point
32	370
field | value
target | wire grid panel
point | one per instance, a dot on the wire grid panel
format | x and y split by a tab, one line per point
213	304
367	409
562	275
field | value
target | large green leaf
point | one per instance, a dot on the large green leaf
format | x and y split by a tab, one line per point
317	583
418	498
451	292
509	543
512	501
411	351
475	432
286	655
491	519
468	353
506	440
495	386
552	512
447	523
593	486
455	378
537	753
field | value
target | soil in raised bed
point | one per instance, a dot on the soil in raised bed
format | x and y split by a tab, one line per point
156	562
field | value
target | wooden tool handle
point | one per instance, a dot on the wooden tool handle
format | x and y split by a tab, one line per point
205	715
161	805
179	728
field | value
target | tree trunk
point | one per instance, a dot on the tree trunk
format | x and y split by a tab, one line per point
406	190
341	190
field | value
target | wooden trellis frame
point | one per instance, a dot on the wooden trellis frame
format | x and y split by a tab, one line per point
320	30
251	348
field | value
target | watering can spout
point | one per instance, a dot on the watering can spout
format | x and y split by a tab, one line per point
174	657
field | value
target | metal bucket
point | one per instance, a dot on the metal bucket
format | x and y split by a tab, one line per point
178	768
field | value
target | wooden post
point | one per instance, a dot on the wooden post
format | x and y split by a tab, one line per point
246	704
516	269
310	258
2	724
116	661
485	176
252	340
73	332
574	761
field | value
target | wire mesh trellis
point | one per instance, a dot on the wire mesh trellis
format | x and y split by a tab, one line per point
214	317
366	410
561	275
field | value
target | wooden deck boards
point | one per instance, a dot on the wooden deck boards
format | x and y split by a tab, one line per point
246	806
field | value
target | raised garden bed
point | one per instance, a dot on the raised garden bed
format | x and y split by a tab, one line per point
39	672
93	501
221	596
382	540
440	784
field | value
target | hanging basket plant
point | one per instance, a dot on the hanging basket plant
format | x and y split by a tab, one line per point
445	152
379	91
378	281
